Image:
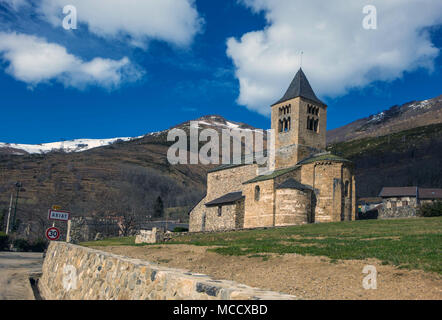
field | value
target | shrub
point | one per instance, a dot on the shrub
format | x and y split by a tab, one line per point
24	245
39	246
180	229
21	245
430	209
4	241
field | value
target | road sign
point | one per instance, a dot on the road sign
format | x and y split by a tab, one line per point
59	215
53	234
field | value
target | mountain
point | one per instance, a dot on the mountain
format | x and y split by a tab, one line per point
399	147
79	145
398	118
103	177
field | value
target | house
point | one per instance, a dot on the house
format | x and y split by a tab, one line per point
403	201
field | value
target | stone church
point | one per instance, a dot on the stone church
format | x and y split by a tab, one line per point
308	184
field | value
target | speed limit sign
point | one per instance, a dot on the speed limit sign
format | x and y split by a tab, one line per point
53	234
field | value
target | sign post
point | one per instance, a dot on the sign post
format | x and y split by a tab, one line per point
53	234
68	235
56	214
59	215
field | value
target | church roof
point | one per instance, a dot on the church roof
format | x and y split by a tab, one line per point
226	166
323	157
300	87
272	175
226	199
293	184
245	160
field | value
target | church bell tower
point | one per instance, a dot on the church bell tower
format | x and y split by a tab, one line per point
299	120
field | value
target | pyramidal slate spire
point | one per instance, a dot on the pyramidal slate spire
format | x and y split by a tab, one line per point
300	87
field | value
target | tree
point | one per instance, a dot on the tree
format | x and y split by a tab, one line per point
3	214
158	208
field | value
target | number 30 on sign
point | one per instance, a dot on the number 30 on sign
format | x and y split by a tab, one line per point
53	234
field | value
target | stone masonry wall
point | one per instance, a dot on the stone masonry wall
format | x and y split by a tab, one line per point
328	180
396	208
299	142
218	184
259	213
292	207
228	220
229	180
72	272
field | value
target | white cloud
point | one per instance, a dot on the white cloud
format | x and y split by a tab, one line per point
338	53
174	21
33	60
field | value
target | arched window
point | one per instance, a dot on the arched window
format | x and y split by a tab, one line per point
317	111
257	193
289	123
347	185
308	123
220	211
280	128
316	122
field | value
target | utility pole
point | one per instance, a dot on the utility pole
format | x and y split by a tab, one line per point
9	213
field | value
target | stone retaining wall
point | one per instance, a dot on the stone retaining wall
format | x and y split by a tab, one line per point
75	272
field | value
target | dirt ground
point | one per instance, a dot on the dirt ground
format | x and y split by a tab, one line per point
307	277
15	269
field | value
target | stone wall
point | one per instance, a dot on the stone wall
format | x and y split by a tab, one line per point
230	218
229	180
298	143
400	207
220	183
72	272
259	213
150	236
328	179
293	207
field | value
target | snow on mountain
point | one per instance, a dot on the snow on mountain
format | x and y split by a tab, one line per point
395	119
77	145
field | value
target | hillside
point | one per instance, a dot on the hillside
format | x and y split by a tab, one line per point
407	158
397	118
127	175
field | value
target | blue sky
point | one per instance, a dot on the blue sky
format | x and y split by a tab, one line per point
212	67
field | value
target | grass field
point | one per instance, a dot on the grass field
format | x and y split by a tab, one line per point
407	243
